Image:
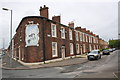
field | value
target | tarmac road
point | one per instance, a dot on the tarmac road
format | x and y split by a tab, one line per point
102	68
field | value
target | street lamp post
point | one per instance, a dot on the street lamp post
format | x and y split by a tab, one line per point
10	35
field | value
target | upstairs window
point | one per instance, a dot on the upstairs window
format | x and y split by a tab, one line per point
97	41
70	34
89	39
77	36
84	48
71	48
80	36
62	32
86	38
53	29
83	37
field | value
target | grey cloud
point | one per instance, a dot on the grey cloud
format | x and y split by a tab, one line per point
97	17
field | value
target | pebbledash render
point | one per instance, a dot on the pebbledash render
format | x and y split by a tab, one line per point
40	39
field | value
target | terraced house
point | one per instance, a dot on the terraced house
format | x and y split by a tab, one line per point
40	39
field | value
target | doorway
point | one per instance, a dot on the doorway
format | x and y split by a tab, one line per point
63	52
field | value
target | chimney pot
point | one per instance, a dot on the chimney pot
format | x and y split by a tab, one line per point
44	6
40	7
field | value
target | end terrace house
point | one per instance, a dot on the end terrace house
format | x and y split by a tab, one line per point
39	39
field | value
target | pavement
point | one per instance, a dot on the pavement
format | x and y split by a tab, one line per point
18	66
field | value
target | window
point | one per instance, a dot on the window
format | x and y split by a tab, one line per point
84	48
53	30
86	38
80	36
90	48
77	48
93	40
83	37
63	32
89	39
97	47
71	48
94	47
54	49
70	34
96	40
76	35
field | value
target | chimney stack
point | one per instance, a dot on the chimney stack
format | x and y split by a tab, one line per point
44	11
56	19
84	29
71	24
88	31
97	36
91	33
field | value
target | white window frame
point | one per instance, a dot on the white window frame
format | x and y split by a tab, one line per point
77	48
97	40
90	47
84	48
70	34
93	40
76	33
86	38
71	48
81	36
89	39
62	32
97	47
56	54
94	47
53	31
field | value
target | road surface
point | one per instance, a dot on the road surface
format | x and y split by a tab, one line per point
102	68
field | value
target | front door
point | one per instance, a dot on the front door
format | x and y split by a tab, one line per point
63	52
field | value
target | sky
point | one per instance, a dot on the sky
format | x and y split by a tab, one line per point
98	16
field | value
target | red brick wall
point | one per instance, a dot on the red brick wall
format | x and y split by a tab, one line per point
30	53
36	53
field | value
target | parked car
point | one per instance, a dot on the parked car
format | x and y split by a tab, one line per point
94	54
113	49
106	52
110	50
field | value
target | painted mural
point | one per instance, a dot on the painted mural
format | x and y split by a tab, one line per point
32	35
